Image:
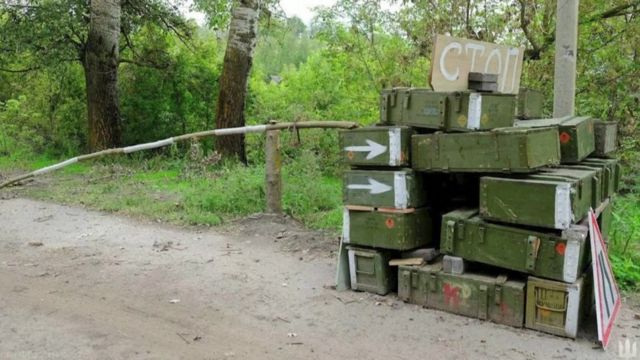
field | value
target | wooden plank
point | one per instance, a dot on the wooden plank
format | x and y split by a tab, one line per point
407	262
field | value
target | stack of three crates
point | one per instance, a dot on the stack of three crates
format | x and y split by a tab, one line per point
483	239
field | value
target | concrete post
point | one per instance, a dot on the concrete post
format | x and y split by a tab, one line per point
564	85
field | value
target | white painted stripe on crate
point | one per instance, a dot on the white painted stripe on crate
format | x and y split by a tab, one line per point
346	226
573	309
571	258
148	146
563	212
395	150
475	111
400	188
352	270
55	166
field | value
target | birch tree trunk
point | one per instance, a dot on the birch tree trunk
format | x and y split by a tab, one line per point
100	62
238	59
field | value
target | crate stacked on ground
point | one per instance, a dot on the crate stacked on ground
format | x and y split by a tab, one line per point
516	245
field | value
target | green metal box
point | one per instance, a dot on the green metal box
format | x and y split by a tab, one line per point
581	173
549	203
605	219
500	150
376	146
369	270
399	189
606	136
613	169
450	111
530	104
576	135
554	255
387	228
485	297
556	307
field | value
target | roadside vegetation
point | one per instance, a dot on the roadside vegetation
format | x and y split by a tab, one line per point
332	69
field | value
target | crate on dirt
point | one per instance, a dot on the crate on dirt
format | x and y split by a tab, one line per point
606	137
549	203
397	189
557	307
369	270
576	135
500	150
530	104
392	229
555	255
376	146
448	111
481	296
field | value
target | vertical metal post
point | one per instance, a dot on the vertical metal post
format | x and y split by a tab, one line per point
564	85
273	177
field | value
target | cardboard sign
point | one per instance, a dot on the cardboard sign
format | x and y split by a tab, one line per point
604	284
454	58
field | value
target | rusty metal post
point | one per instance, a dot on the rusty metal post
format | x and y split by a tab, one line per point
273	181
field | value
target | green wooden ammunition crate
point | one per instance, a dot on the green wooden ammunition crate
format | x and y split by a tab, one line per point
606	137
391	105
500	150
614	172
556	307
581	173
530	104
387	229
555	204
369	270
376	146
400	189
474	295
601	191
604	221
451	111
576	135
553	255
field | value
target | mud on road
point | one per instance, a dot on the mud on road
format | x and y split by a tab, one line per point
78	284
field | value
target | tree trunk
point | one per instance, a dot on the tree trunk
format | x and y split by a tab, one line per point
233	82
100	63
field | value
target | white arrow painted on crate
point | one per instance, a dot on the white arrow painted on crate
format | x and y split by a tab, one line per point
374	187
373	148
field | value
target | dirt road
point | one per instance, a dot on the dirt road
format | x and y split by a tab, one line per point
77	284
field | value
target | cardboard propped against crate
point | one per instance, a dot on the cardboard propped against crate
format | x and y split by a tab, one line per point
454	58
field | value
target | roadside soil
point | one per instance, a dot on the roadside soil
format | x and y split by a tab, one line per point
79	284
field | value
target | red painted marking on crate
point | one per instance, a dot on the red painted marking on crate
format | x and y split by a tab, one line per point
560	248
390	223
565	137
451	295
350	155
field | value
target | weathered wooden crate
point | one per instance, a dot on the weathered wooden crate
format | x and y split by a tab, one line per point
369	270
397	189
612	168
530	104
500	150
549	203
387	228
581	173
606	137
493	298
376	146
554	255
456	111
576	135
557	307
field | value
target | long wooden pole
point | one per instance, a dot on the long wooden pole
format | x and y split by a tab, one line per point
564	84
273	175
185	137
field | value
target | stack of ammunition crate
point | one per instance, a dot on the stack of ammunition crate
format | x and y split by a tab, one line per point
504	200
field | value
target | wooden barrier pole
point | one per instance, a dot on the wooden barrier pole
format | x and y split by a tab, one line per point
273	177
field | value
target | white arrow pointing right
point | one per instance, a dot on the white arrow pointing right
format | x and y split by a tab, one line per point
373	148
374	187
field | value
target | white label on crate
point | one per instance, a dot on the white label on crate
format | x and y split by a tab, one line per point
400	187
573	309
372	148
374	187
563	212
475	111
571	258
345	226
395	151
352	270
